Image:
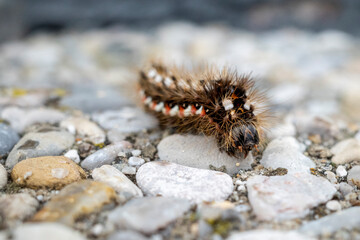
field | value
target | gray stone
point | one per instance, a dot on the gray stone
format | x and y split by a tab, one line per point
354	176
136	161
346	151
128	170
8	138
286	153
45	231
345	188
173	180
40	144
126	120
287	197
114	135
3	176
348	219
268	234
127	235
147	215
105	155
199	152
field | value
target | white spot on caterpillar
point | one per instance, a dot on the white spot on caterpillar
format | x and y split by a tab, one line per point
148	100
199	110
152	73
168	81
158	78
247	105
159	107
187	111
174	111
228	105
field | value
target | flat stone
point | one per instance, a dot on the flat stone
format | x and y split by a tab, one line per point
45	231
346	151
347	218
90	131
3	176
149	214
8	138
17	207
354	176
199	152
105	155
40	144
126	120
268	234
127	235
287	197
173	180
52	172
125	188
286	153
20	118
76	200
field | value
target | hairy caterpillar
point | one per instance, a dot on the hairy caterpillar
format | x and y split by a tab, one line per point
213	102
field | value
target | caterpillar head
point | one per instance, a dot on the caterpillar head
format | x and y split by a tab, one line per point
245	137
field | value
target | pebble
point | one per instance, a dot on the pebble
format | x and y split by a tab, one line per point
285	152
341	171
331	177
3	177
346	151
126	120
40	144
136	161
347	218
173	180
127	235
287	197
125	188
333	205
8	138
136	152
354	176
267	234
17	207
147	215
20	118
90	131
73	155
345	188
52	172
199	152
45	231
128	170
105	155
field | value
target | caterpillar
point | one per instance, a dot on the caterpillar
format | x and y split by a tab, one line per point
210	101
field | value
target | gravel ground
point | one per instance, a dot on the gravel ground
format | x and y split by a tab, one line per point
81	160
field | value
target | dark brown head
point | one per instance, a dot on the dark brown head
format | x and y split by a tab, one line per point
245	138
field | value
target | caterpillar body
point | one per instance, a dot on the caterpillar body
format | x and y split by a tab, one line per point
208	101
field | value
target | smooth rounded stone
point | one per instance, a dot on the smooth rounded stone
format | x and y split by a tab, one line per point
331	177
8	138
76	200
333	205
20	118
73	155
136	152
286	153
45	231
136	161
105	155
125	188
3	176
52	172
287	197
346	151
347	218
199	152
17	207
128	170
127	235
345	188
341	171
354	176
126	120
173	180
85	128
262	234
40	144
149	214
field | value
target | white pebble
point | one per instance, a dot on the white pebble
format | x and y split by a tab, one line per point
3	176
40	198
136	152
129	170
97	229
333	205
341	171
331	176
239	182
241	188
136	161
73	155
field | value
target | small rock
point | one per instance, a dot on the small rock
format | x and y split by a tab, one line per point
3	176
199	152
105	155
127	235
287	197
331	177
346	151
49	172
136	161
20	118
125	188
333	205
128	170
286	153
8	138
347	218
17	207
85	128
40	144
341	171
173	180
147	215
136	152
126	120
267	234
76	200
73	155
354	176
45	231
345	188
